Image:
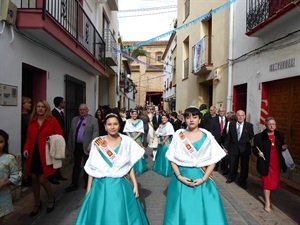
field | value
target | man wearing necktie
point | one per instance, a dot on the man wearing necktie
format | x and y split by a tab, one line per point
212	124
58	113
84	128
238	145
222	132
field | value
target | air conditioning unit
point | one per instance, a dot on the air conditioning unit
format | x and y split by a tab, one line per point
8	11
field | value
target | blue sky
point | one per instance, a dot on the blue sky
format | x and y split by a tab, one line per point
142	28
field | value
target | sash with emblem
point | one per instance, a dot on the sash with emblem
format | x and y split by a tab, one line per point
105	150
187	144
191	149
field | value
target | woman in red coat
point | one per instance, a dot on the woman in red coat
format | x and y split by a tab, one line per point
40	127
269	145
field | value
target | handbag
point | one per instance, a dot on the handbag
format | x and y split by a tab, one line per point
289	162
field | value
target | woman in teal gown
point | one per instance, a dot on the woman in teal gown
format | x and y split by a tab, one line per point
192	196
161	164
134	128
111	199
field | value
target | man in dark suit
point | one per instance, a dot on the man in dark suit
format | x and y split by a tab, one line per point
238	145
212	125
175	121
58	113
156	120
222	124
84	128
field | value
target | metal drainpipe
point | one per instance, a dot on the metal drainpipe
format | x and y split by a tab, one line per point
230	57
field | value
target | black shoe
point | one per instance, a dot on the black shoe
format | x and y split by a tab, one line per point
229	181
60	177
53	180
244	186
50	209
71	188
38	208
225	173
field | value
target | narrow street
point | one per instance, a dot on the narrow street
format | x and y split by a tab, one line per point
242	206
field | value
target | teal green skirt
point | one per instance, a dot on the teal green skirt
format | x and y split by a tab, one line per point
193	206
140	166
111	201
161	164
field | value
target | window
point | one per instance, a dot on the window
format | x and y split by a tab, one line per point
186	52
158	56
187	9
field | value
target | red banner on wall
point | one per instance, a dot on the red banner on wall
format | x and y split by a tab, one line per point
264	109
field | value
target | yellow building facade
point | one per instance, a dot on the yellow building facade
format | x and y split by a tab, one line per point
204	80
147	74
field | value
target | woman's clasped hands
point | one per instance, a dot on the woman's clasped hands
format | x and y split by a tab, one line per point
190	182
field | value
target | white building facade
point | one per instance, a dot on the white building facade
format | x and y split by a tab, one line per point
266	68
169	58
56	48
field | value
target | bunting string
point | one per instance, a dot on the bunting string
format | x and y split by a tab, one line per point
197	20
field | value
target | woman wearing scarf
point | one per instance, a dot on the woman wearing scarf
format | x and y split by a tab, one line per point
192	196
134	128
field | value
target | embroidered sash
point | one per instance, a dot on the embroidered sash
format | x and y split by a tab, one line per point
187	144
168	142
138	140
203	169
106	151
191	149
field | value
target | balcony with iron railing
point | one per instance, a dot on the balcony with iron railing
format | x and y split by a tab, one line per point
111	46
65	28
202	61
263	14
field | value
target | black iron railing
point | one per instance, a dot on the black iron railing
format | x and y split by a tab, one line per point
258	11
73	19
111	44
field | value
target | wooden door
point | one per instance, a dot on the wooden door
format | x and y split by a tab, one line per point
284	99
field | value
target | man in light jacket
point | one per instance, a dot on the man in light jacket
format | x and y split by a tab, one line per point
84	128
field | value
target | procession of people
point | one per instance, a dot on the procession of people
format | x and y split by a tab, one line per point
187	147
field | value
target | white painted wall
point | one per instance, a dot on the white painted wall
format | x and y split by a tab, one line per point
168	73
254	69
24	51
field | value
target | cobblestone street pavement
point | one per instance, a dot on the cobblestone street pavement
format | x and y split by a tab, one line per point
242	206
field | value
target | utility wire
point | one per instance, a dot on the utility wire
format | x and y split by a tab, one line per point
261	48
148	9
150	14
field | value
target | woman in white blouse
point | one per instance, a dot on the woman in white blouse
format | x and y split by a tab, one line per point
110	198
164	132
192	196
